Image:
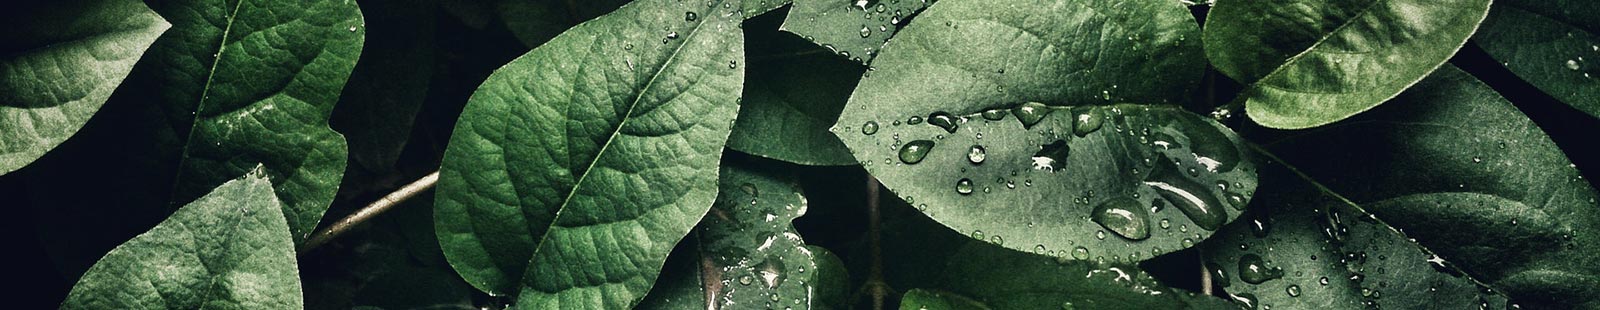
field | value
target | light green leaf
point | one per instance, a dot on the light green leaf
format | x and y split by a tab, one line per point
1310	63
1552	44
229	249
855	29
1305	249
62	61
1020	143
1455	166
248	82
577	167
746	252
796	91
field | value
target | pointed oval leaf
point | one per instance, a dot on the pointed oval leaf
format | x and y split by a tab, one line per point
1455	166
1310	63
982	138
1552	44
746	252
793	96
62	61
855	29
247	82
575	168
229	249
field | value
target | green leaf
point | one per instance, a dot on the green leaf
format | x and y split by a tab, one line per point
1310	63
1306	249
62	61
962	273
856	30
1020	143
379	105
536	21
227	250
247	82
746	251
1455	166
796	91
1554	45
575	168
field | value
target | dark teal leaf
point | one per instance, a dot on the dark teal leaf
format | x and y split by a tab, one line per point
248	82
1455	166
1310	63
577	167
229	249
62	60
386	89
536	21
796	91
1022	143
746	253
856	29
1554	45
920	299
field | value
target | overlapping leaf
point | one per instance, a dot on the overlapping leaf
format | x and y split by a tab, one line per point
855	29
795	93
577	167
379	105
996	119
1310	63
1459	169
1554	45
229	249
746	253
62	60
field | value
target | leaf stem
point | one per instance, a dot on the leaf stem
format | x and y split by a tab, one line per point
874	234
371	210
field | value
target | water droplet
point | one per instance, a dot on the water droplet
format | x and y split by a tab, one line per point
1038	249
1323	281
1293	290
771	271
865	32
1217	276
1572	65
1254	271
976	154
746	280
1194	199
977	234
352	28
871	127
914	120
943	120
733	64
1086	120
913	152
964	186
690	16
1030	113
1124	216
1259	227
994	115
1051	157
672	35
1165	224
1080	253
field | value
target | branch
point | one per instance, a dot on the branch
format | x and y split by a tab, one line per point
370	211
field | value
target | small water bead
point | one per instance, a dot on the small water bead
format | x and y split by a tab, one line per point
1323	281
871	127
914	120
913	152
672	35
690	16
977	234
976	154
1086	120
1572	65
1038	249
964	186
996	240
746	280
865	31
1254	271
1100	234
1165	224
1080	253
1293	290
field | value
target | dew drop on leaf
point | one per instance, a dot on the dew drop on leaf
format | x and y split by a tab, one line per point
1194	199
1124	216
871	127
976	154
1255	271
913	152
1030	113
943	120
964	186
1086	120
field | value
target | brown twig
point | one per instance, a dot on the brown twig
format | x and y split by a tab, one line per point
370	211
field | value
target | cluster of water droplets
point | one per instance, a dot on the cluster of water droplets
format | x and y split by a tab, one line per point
872	22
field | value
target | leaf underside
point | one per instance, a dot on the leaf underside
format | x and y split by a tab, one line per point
1554	45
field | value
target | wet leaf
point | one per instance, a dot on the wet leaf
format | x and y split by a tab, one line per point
1020	144
62	61
1308	64
796	91
576	168
1554	45
227	250
854	29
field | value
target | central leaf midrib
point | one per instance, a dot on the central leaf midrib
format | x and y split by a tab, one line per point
211	76
616	131
1323	39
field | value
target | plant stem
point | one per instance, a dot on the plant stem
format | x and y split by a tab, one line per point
371	210
1205	274
874	235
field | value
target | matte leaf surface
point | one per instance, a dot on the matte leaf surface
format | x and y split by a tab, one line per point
1455	166
856	30
577	167
62	60
746	253
248	82
1310	63
795	93
379	105
230	249
1554	45
1021	143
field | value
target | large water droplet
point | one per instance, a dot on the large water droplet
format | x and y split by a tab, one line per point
943	120
1030	113
1572	65
1255	271
1086	120
1193	198
964	186
994	115
1124	216
871	127
976	154
1051	157
914	151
